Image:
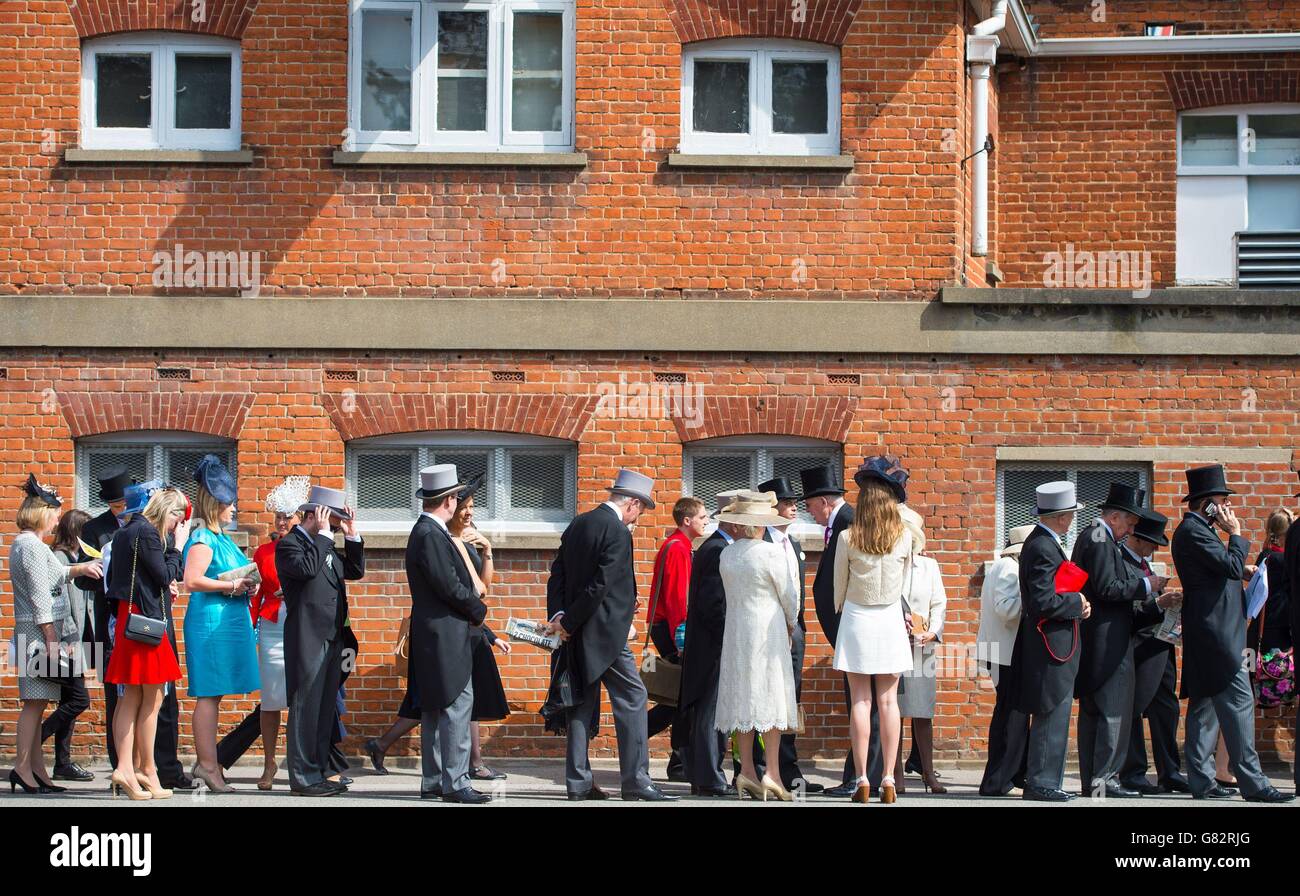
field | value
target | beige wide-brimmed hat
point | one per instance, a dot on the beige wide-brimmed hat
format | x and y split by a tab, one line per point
1016	537
753	509
914	524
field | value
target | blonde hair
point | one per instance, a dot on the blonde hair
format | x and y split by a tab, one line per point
877	524
1279	521
160	506
209	509
34	514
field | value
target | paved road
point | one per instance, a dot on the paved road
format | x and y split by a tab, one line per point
540	782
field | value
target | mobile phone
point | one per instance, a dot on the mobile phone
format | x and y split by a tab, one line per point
1212	510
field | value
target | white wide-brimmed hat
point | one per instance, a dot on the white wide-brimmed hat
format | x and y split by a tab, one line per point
753	509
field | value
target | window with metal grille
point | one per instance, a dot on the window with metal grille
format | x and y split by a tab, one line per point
170	457
717	465
526	480
1017	482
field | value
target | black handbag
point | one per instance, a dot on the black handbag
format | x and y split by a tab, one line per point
140	628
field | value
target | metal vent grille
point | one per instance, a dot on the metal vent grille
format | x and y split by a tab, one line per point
174	373
712	470
99	461
468	465
1016	487
340	376
173	464
1268	260
536	484
508	376
844	379
385	484
713	473
670	378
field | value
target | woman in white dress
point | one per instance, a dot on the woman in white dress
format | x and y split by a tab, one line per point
926	601
871	566
756	680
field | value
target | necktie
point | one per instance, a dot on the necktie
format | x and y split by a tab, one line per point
828	536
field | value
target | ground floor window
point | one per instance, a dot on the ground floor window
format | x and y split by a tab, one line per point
1017	481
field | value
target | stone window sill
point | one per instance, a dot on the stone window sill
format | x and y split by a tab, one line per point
804	163
77	155
464	159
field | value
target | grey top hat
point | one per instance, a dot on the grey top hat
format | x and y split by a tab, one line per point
320	496
1056	497
438	481
634	485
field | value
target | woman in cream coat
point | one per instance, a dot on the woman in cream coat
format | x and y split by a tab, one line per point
872	562
756	692
925	601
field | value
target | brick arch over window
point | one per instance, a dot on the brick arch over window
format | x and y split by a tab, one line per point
824	21
360	415
95	413
827	418
1198	90
223	18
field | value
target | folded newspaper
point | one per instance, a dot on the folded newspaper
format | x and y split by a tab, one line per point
532	633
1171	629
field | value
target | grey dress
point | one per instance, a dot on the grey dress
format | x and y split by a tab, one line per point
39	599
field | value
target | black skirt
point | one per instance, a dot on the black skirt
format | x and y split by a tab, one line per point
489	694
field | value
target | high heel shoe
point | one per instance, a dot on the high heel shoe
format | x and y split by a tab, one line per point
863	793
888	793
117	784
201	773
268	780
44	786
16	781
158	793
744	786
932	785
770	786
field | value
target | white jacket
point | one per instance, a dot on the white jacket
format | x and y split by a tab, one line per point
999	613
927	597
871	579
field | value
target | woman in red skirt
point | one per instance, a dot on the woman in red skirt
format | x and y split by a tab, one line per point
144	568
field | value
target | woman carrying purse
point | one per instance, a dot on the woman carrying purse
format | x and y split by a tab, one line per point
142	584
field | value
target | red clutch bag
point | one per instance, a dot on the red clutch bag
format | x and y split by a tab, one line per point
1070	578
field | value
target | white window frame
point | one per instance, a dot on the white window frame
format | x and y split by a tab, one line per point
1243	166
156	443
760	140
504	445
760	466
424	135
162	49
1072	469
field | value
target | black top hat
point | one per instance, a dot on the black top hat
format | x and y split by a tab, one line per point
818	481
1202	482
884	468
112	485
1151	527
1126	498
781	486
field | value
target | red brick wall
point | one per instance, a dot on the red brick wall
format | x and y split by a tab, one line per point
1128	18
900	407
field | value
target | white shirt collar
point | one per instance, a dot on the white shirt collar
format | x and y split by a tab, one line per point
618	511
830	520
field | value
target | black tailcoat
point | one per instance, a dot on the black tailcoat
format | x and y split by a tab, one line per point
313	576
706	614
593	582
824	581
1214	612
1042	680
444	610
1291	563
1112	587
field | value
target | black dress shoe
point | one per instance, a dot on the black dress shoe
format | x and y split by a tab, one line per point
1117	791
72	772
483	773
467	795
844	790
1018	782
345	781
1175	785
376	754
1217	792
648	794
435	794
1046	795
323	788
1144	787
180	782
595	794
808	786
724	790
1270	795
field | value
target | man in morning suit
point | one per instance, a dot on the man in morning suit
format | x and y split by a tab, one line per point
1104	684
313	577
1291	563
1155	674
591	599
706	614
1216	682
1045	658
824	498
446	612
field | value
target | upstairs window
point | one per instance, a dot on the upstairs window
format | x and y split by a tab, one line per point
760	97
154	90
494	75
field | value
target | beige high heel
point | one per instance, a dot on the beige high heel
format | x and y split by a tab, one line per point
267	781
117	784
744	786
158	793
770	786
888	793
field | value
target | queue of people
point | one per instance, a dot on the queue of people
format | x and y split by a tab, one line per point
726	611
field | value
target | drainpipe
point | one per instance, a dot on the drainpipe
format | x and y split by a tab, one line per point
981	54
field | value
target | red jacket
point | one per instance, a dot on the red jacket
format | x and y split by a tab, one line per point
266	602
673	566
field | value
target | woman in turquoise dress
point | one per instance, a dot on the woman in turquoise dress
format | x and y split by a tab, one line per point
220	648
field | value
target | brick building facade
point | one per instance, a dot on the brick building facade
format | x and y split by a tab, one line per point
482	297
